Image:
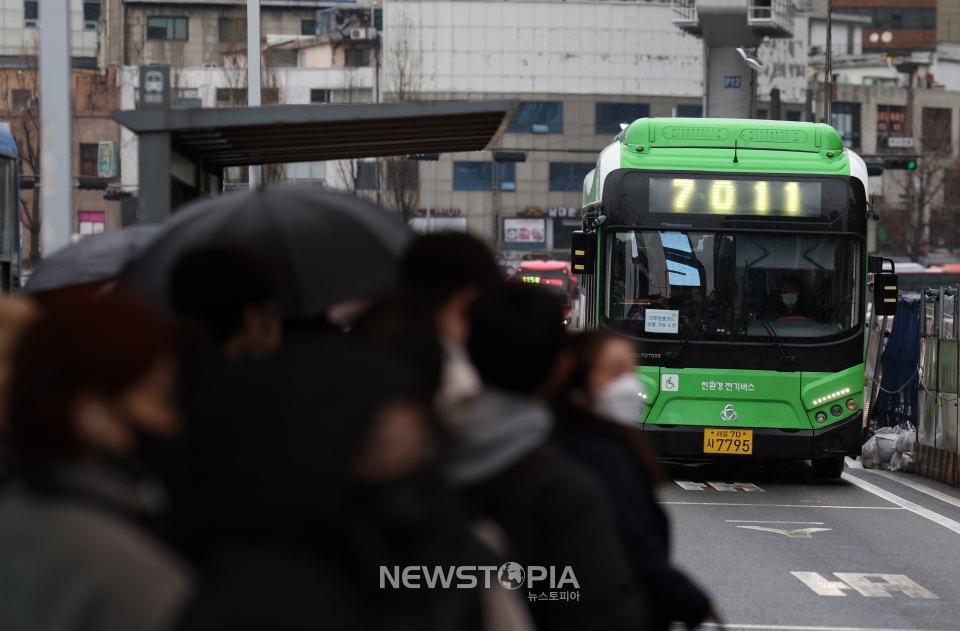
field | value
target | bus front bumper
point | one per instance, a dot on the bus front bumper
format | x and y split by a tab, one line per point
840	439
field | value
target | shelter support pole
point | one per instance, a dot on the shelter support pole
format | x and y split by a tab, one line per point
154	178
56	171
253	71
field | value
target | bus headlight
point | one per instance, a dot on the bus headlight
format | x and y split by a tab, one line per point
836	410
851	404
821	417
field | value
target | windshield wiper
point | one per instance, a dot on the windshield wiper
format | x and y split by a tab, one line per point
789	359
675	353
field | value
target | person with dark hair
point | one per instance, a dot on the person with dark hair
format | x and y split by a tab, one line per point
231	295
597	416
792	305
93	377
443	273
319	469
554	512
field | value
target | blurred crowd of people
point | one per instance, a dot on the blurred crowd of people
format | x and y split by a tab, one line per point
224	467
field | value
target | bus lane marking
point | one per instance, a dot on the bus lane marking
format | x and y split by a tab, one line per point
687	485
916	486
866	584
781	627
749	487
762	521
781	505
800	533
937	518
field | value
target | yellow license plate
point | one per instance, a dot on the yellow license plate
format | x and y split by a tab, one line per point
728	441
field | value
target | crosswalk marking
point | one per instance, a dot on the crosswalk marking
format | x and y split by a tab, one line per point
869	585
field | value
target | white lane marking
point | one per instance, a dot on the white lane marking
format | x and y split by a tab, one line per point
760	521
687	485
745	486
800	533
943	497
937	518
890	583
780	627
820	585
779	505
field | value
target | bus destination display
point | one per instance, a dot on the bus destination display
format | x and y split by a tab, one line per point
735	197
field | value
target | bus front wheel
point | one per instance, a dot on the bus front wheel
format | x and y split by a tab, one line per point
829	468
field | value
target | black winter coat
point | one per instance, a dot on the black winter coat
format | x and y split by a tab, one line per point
673	596
556	513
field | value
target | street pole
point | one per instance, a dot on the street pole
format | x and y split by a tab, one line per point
429	191
56	190
253	71
828	66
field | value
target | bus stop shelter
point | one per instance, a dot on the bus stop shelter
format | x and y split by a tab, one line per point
183	152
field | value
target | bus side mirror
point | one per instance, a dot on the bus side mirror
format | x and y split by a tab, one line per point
583	254
885	287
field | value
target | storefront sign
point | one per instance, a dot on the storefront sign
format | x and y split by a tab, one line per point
532	211
439	212
524	231
563	211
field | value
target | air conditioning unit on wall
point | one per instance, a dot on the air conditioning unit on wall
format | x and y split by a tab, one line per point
358	33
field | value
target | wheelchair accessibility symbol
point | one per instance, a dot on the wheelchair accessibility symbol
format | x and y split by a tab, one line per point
669	383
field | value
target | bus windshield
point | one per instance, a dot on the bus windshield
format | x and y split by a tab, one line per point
732	286
556	281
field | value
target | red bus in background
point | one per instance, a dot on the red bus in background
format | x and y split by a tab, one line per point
556	276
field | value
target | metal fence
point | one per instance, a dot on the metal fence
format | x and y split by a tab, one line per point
937	420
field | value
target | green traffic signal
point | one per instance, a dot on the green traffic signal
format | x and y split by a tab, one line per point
900	164
911	165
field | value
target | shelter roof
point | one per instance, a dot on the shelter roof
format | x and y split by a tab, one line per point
241	136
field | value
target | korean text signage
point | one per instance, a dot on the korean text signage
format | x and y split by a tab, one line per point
154	87
107	159
524	231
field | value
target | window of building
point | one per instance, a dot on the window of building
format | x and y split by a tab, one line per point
891	122
367	176
896	17
91	15
164	28
610	115
232	96
91	222
233	30
936	130
280	58
356	57
307	172
268	96
308	27
31	11
689	111
762	114
21	99
568	176
845	118
478	176
89	159
538	117
318	95
794	115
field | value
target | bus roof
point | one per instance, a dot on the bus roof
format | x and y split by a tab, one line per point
726	145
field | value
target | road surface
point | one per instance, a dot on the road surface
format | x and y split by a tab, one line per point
782	551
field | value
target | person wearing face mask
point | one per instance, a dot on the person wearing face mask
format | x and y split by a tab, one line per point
92	377
597	422
791	307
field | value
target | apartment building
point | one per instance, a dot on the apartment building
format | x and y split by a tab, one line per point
95	136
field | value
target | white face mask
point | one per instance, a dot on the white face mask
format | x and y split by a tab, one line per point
789	299
620	400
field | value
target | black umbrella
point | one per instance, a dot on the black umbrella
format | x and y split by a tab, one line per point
321	247
98	257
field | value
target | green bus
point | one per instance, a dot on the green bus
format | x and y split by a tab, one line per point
734	252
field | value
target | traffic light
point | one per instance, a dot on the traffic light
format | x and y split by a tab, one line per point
900	164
